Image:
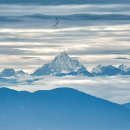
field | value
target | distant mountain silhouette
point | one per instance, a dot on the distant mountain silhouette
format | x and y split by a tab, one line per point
62	65
59	109
106	70
9	72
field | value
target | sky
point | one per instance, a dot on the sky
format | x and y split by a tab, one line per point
92	33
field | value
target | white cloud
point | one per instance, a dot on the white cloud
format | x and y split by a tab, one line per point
91	44
112	88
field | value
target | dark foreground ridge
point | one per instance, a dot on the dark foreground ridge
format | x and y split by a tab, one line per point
59	109
127	105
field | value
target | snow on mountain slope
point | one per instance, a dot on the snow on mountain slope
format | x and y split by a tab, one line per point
106	70
11	76
97	69
125	69
9	72
62	64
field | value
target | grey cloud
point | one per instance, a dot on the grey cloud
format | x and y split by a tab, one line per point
100	51
122	58
103	39
13	51
41	45
79	17
17	10
117	91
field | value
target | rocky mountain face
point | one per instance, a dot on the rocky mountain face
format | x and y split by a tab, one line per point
62	65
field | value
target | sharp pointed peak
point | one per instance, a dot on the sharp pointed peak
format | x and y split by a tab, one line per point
99	66
63	53
122	65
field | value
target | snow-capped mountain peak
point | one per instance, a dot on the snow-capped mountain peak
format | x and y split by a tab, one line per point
123	68
7	72
97	69
62	63
106	70
61	55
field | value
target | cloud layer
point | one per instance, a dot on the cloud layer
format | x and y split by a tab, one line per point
112	88
92	33
89	32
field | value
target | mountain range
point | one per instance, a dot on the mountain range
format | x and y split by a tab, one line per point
111	70
59	109
63	65
11	72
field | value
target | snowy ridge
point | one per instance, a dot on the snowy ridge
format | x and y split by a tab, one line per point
123	68
106	70
9	72
62	64
97	69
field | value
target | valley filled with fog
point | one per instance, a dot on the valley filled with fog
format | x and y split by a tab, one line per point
111	88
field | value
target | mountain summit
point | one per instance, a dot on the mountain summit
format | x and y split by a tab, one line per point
108	70
62	65
9	72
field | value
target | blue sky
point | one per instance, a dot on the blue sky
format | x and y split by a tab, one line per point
93	33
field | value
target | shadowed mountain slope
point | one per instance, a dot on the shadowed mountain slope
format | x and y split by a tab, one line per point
57	109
